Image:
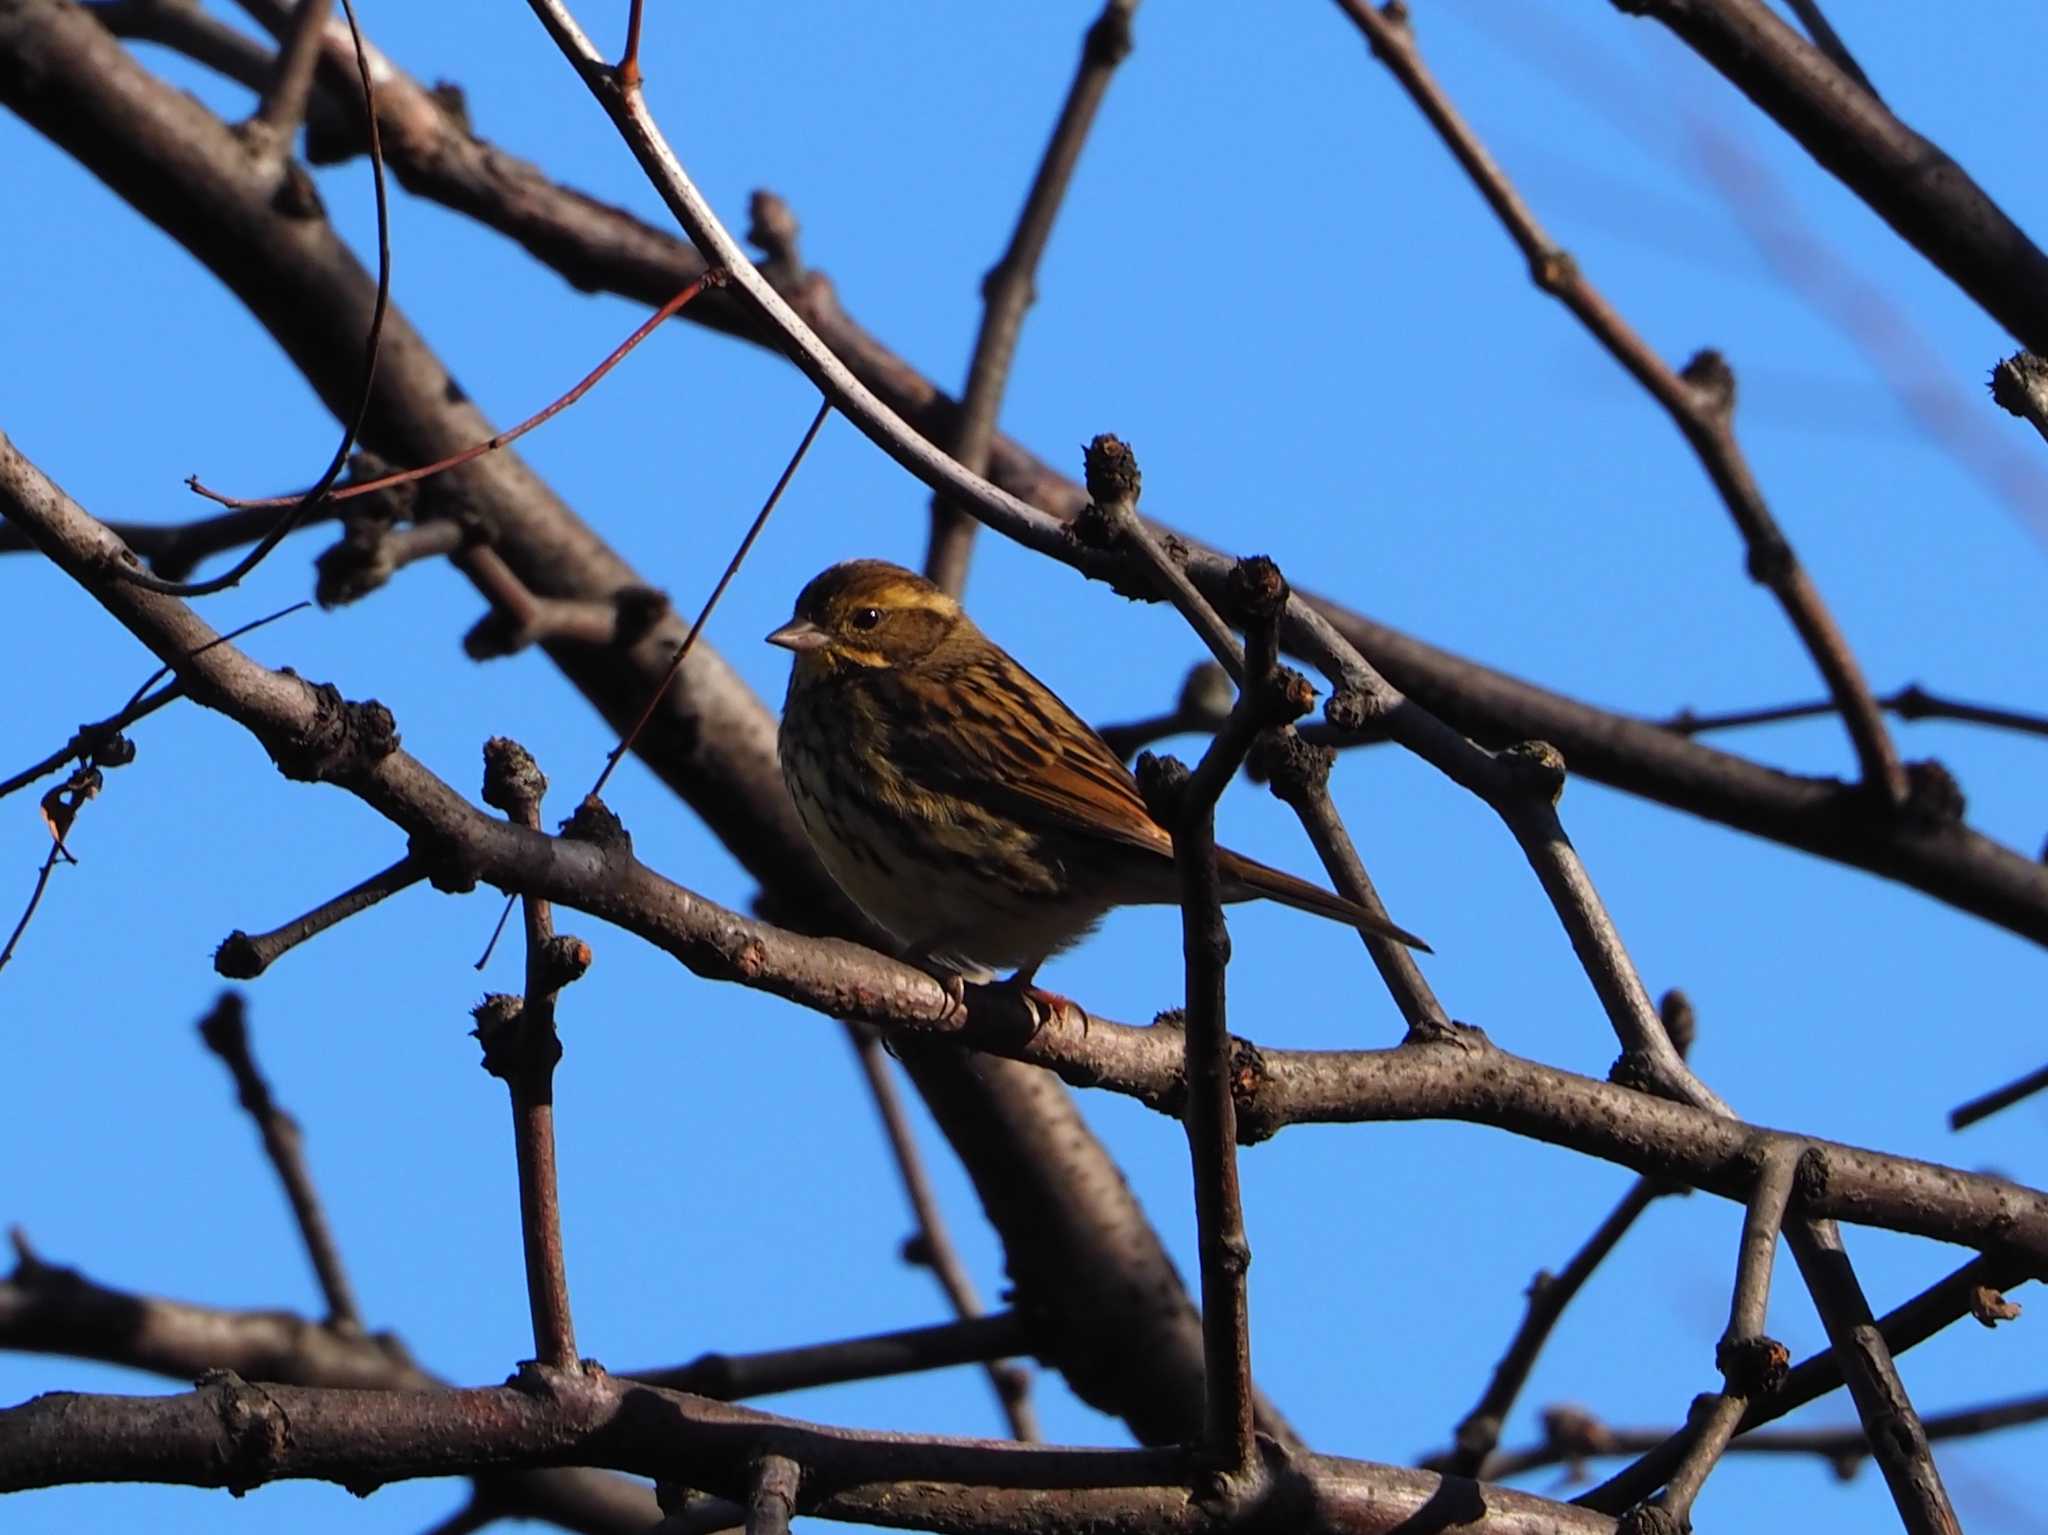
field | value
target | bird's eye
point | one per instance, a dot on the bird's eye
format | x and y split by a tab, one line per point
866	618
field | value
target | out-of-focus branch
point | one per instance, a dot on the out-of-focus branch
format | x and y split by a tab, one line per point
283	106
1700	399
2001	1098
226	1033
932	1246
1011	284
1907	181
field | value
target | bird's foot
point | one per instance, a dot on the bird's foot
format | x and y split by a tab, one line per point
1040	1005
955	988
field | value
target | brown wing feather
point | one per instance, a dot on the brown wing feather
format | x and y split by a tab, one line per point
973	723
977	725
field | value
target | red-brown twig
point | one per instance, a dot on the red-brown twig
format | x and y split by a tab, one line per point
628	67
491	444
372	342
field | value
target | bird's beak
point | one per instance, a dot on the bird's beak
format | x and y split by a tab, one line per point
799	635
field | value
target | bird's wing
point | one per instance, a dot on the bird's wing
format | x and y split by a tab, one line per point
994	735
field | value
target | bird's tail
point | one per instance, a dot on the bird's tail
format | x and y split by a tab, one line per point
1244	879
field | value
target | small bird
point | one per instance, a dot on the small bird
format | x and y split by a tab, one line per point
957	801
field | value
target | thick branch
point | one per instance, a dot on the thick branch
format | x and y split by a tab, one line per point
232	1434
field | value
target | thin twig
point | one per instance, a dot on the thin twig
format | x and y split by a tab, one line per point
1999	1098
1111	518
1829	42
1011	285
933	1244
1763	1222
96	743
1700	400
1577	1437
283	106
521	1047
1906	1326
732	1377
629	60
1201	709
1299	775
496	440
35	899
777	1478
1269	697
372	342
732	567
226	1033
1911	702
244	956
94	738
656	693
1478	1434
1751	1363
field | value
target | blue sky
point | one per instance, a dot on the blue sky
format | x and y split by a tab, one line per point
1270	280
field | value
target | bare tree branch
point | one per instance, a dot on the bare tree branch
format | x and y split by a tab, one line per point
1700	399
226	1033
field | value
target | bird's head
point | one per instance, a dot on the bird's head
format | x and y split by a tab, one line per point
867	614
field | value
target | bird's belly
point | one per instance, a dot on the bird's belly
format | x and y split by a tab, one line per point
964	889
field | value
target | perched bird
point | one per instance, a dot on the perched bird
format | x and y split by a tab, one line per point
957	801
